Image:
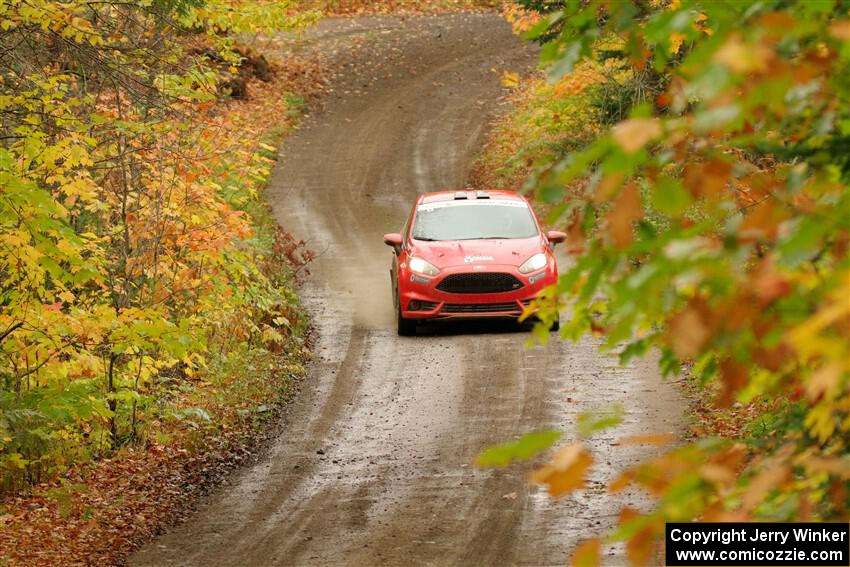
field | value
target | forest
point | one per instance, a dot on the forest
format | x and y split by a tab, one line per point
696	153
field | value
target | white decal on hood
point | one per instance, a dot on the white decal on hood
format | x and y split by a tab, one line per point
470	259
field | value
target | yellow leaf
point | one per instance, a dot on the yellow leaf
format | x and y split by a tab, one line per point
510	80
824	381
676	40
566	471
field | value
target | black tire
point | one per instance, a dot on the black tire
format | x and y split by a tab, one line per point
405	327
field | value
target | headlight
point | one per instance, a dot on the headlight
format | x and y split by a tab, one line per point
534	263
420	266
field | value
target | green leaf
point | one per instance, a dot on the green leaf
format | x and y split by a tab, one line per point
567	61
551	193
522	449
593	422
670	197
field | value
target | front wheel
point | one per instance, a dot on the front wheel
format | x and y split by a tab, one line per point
405	327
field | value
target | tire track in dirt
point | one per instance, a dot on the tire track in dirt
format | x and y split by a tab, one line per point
373	466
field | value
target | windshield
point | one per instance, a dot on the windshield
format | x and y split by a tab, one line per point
467	220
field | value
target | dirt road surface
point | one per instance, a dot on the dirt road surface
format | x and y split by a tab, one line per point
373	466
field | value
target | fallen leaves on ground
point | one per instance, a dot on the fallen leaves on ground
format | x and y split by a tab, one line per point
373	7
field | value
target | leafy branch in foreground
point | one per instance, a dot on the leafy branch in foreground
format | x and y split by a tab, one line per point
712	222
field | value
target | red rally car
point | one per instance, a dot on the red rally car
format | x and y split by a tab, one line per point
469	254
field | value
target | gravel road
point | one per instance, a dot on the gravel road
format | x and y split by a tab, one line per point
373	465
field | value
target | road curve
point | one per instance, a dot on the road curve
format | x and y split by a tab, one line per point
373	464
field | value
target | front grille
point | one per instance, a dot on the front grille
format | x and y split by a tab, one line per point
480	307
484	282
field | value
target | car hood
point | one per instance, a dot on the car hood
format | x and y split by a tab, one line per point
448	253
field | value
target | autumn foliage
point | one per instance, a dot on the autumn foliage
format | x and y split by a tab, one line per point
709	216
134	255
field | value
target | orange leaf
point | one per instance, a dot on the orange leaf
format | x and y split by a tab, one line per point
653	439
768	284
735	376
687	333
575	235
771	358
627	514
831	465
566	471
715	176
762	220
635	133
707	179
840	30
642	546
740	57
621	482
716	473
626	211
761	485
777	21
607	187
587	553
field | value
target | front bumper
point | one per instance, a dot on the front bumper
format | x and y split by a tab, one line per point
420	298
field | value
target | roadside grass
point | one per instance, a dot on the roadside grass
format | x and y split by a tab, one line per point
533	131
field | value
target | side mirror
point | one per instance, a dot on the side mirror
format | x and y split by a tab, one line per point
556	236
393	239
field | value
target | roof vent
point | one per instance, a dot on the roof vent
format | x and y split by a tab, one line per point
460	195
482	195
